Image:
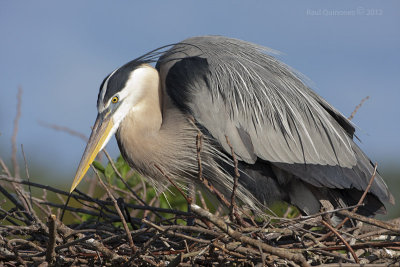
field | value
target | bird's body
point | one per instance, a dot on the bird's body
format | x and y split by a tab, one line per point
291	144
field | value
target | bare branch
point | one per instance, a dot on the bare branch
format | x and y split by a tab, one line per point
235	181
132	245
358	107
50	252
236	235
64	129
14	135
342	239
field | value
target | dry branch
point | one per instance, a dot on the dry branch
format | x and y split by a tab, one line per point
131	244
158	241
242	238
358	107
14	135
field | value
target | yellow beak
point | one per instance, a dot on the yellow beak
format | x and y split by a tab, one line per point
98	137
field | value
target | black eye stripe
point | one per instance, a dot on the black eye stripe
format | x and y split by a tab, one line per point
118	79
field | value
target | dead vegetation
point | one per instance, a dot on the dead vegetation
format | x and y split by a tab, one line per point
110	230
32	235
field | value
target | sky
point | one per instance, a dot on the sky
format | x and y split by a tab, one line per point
58	52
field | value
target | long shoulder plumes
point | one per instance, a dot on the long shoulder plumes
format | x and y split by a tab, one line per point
237	89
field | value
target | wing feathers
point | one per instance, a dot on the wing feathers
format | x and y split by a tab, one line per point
234	89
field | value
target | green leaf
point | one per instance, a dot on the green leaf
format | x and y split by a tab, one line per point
109	171
124	170
122	166
98	166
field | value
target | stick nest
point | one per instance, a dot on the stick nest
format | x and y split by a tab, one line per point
110	230
31	234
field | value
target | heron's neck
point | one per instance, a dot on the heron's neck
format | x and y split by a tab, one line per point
146	117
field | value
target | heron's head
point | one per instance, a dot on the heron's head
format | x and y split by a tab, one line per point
119	93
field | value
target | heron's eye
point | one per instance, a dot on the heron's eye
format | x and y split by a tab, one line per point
114	99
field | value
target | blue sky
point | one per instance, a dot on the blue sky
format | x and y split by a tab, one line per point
60	51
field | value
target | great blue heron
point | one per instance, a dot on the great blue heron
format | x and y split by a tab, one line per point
290	143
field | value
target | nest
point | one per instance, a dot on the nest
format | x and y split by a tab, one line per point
31	234
120	228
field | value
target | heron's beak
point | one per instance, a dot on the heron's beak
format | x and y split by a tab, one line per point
100	133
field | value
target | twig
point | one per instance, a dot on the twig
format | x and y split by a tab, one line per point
218	194
27	173
125	183
75	242
18	205
371	180
358	265
131	244
4	167
303	219
14	135
358	107
199	148
235	181
167	231
238	236
50	252
68	131
202	200
63	129
119	175
27	242
228	251
22	198
188	200
332	254
146	212
262	255
363	245
342	239
93	243
83	197
192	196
372	221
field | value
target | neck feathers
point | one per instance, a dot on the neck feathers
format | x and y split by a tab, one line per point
145	116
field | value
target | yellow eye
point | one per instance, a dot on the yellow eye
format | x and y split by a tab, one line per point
114	99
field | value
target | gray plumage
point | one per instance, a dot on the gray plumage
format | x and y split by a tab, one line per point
291	144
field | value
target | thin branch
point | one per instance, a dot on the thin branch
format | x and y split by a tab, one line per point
362	245
50	252
235	181
303	219
27	172
122	179
131	244
64	129
83	197
381	224
342	239
358	107
4	167
371	180
169	232
188	200
298	258
14	135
